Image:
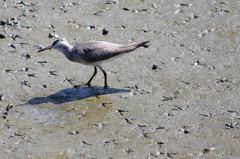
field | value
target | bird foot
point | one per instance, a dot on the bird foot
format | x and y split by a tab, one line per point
106	86
88	84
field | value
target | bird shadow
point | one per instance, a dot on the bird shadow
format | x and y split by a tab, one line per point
73	94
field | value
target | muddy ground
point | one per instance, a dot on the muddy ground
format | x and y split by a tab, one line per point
179	98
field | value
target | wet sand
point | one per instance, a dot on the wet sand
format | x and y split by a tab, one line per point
179	98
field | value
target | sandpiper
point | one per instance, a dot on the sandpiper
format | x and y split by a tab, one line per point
93	53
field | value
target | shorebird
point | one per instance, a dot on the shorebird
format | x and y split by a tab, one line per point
93	53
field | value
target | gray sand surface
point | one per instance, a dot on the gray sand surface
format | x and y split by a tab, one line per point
179	98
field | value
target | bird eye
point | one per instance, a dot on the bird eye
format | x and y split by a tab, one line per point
55	42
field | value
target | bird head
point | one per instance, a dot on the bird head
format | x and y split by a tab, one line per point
57	43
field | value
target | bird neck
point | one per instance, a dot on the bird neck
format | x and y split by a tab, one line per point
66	50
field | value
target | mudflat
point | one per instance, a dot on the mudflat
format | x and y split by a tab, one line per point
179	98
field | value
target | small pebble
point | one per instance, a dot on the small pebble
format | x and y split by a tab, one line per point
105	31
74	132
51	35
128	150
184	4
154	5
126	9
51	26
91	27
2	36
106	141
111	2
1	97
8	70
10	106
3	22
186	131
205	151
154	67
31	75
25	69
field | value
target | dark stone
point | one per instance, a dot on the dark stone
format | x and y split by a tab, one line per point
2	36
105	31
154	67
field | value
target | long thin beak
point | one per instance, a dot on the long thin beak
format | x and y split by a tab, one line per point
46	48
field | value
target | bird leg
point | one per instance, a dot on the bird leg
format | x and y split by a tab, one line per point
105	75
105	79
95	72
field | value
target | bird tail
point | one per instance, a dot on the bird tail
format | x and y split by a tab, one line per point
131	47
